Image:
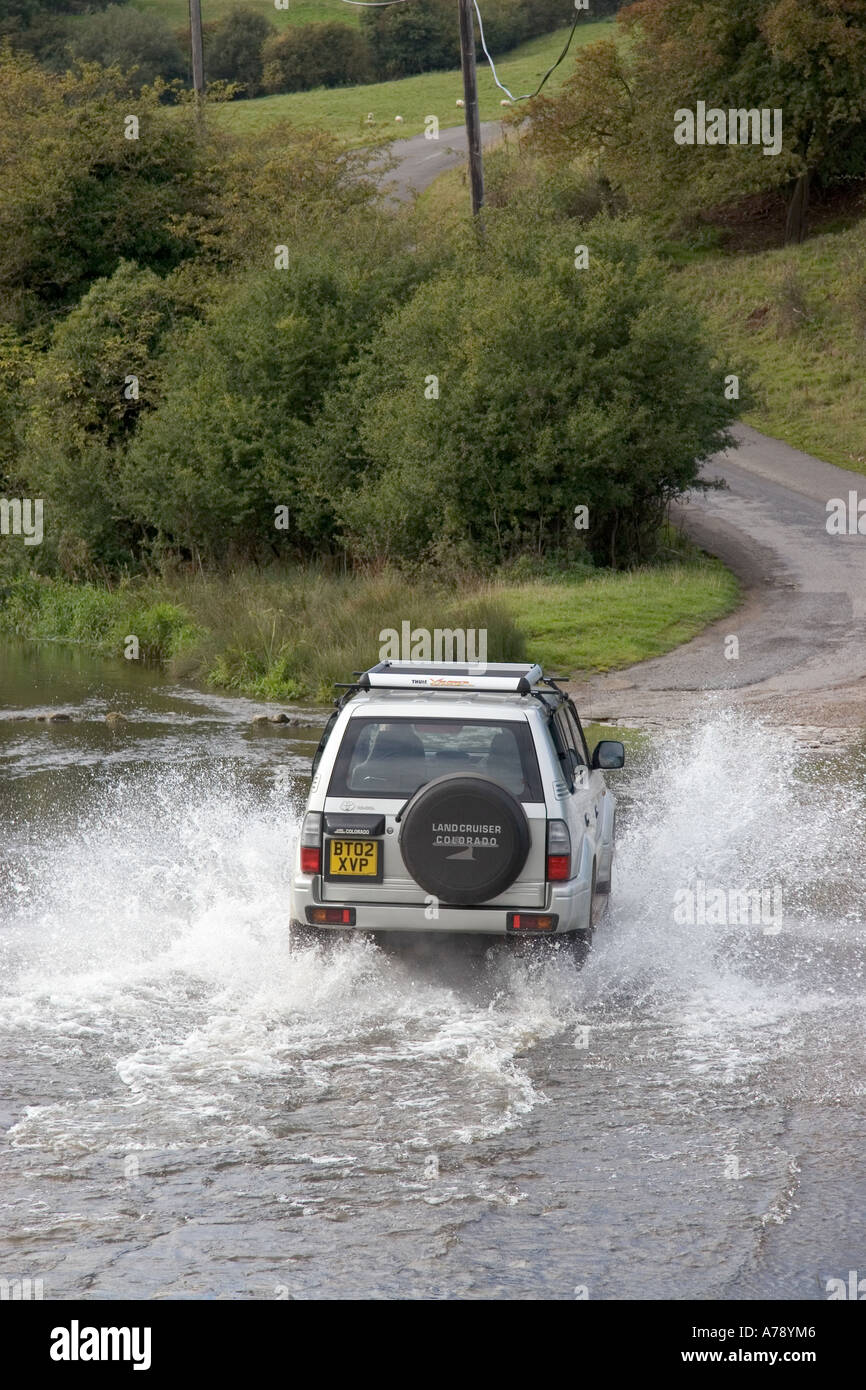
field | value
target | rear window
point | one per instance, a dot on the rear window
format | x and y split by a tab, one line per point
395	757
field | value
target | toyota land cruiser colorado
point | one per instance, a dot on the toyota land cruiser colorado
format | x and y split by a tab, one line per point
456	798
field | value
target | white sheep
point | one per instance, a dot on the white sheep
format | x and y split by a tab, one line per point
399	118
460	101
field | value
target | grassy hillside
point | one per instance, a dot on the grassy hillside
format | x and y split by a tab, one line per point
343	110
176	12
798	317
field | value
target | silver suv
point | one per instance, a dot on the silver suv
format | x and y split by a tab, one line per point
456	798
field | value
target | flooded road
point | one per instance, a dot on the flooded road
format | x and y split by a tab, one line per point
193	1109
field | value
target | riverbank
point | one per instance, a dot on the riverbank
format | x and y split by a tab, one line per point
290	634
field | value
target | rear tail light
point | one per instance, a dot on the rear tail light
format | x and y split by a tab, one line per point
531	921
558	851
331	916
311	843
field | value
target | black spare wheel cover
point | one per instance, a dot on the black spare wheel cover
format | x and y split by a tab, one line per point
464	839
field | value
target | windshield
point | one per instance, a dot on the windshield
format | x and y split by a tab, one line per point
395	757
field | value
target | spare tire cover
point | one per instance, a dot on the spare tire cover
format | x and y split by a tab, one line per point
464	838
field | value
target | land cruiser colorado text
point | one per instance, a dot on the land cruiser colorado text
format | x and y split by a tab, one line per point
466	834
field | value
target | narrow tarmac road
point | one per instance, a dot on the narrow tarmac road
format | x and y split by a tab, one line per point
801	631
422	160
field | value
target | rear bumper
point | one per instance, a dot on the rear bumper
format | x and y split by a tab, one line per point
570	902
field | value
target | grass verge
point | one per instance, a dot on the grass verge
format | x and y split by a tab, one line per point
97	617
291	635
610	620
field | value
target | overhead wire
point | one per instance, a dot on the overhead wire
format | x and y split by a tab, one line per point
527	96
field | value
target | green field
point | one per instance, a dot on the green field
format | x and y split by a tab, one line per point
176	12
343	110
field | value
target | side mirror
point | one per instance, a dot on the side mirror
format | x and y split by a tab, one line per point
608	755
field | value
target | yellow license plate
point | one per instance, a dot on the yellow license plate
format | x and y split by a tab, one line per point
353	859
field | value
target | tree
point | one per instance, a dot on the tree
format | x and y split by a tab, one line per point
41	27
77	195
511	389
407	39
315	55
287	186
233	49
806	61
136	42
17	359
234	431
100	373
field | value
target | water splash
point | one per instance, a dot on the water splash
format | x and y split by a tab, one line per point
148	949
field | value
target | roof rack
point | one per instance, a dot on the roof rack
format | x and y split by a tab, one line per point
517	677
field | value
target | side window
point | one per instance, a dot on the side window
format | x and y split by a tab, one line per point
577	731
326	734
569	757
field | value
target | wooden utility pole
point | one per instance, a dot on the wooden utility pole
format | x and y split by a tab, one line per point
470	103
197	52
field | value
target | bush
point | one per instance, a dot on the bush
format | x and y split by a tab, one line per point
242	393
408	39
81	408
138	43
81	197
555	389
233	49
41	28
316	55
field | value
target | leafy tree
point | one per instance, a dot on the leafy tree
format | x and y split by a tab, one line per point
407	39
41	27
315	55
805	60
76	195
20	15
16	365
424	36
129	39
233	49
233	434
100	373
553	388
287	186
